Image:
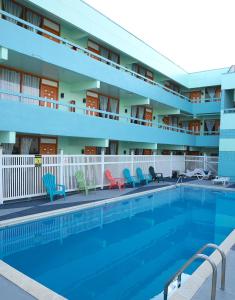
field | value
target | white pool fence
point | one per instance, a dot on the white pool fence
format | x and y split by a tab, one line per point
21	175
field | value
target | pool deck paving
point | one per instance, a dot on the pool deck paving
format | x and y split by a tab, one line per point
20	208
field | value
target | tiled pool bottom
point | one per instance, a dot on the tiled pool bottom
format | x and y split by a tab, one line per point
124	250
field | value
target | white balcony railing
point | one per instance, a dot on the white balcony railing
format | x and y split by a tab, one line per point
91	112
72	46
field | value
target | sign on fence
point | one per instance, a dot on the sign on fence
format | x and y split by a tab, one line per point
38	160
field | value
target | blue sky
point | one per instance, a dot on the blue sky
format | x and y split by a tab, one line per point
195	34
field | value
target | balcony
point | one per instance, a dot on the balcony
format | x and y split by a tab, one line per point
37	115
82	61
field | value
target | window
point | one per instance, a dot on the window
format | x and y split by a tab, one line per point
22	12
103	51
19	82
26	145
104	103
10	81
112	149
142	71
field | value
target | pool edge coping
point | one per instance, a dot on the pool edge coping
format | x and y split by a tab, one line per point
200	275
27	284
61	211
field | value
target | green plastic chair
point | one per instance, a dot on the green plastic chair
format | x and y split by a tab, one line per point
53	189
82	184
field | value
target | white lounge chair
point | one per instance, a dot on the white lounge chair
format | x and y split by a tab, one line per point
223	180
203	174
189	174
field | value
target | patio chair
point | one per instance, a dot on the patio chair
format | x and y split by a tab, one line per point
155	175
190	174
223	180
203	174
53	189
132	180
143	177
114	182
82	184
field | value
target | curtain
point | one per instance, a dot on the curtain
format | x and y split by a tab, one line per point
141	112
30	87
185	124
114	57
104	105
210	124
8	148
33	18
26	145
135	68
105	53
142	71
113	107
9	81
113	148
211	92
12	8
133	113
174	121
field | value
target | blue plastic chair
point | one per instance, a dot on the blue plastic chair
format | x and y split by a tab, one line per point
130	179
143	177
51	187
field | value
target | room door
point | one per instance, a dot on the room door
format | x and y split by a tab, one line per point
49	92
195	96
147	152
90	150
92	102
48	149
52	27
148	115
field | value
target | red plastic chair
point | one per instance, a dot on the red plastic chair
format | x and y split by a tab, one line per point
114	182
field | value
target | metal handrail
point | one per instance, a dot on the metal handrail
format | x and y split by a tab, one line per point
185	266
223	264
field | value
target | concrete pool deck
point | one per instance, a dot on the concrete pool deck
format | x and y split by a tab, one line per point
14	209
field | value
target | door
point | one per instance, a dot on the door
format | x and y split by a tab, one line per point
94	48
52	27
218	93
166	120
49	92
195	127
90	150
148	115
48	149
92	102
195	96
147	152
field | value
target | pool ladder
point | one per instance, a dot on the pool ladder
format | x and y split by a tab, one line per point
199	255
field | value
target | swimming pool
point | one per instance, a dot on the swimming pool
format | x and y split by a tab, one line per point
123	250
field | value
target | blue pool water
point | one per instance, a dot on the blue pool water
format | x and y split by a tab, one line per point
126	250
